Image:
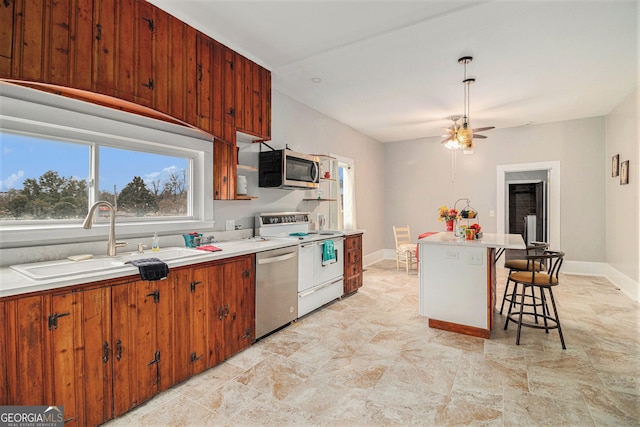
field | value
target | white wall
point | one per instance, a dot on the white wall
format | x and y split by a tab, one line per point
622	211
306	130
418	180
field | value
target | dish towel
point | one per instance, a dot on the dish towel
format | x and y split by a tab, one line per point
209	248
151	268
328	253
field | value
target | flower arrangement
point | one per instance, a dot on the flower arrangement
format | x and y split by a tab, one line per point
446	214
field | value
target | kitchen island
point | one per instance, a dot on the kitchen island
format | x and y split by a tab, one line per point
458	280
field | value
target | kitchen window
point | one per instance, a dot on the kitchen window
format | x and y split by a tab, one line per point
60	155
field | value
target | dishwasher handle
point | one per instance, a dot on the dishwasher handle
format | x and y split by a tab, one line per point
278	258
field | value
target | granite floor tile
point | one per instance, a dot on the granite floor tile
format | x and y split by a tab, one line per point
370	359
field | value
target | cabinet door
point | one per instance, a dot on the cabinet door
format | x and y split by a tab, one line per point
28	380
224	170
198	336
29	39
215	315
204	82
6	37
265	103
239	64
135	372
228	84
190	349
105	47
182	301
239	307
123	49
81	356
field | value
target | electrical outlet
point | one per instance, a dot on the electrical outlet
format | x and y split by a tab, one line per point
492	213
475	258
230	224
452	255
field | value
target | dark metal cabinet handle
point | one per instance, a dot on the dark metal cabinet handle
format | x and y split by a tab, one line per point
220	313
118	350
226	310
105	352
99	35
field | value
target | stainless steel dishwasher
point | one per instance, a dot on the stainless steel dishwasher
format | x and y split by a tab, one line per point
276	289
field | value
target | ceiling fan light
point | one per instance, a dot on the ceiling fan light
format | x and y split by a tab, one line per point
452	144
465	135
468	148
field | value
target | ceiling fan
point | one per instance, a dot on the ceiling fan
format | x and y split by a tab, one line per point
460	134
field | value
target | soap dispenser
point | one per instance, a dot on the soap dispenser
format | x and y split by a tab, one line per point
155	247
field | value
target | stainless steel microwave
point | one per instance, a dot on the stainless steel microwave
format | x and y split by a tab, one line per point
288	169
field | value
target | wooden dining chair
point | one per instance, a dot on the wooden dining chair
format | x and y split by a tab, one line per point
405	249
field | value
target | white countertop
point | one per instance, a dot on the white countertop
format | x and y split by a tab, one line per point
14	283
489	240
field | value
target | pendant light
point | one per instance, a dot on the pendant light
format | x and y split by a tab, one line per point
465	133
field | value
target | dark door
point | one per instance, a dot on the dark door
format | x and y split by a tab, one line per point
526	199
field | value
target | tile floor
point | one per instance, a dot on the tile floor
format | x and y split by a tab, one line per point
370	359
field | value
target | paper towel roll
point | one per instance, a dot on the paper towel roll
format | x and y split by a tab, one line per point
241	187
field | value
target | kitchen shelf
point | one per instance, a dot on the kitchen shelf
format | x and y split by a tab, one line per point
247	168
320	200
244	197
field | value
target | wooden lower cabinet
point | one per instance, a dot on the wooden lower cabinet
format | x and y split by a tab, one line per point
102	351
352	263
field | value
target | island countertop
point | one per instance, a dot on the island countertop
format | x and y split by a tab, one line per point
489	240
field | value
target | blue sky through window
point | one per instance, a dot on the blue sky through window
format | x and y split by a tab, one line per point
24	157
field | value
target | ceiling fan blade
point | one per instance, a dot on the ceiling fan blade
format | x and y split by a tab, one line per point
483	129
475	135
444	141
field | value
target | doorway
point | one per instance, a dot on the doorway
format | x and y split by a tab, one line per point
549	174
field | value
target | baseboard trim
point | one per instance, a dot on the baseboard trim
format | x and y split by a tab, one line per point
376	256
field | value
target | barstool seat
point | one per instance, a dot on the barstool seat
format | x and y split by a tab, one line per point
544	283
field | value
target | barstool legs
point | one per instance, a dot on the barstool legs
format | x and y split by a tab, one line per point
546	313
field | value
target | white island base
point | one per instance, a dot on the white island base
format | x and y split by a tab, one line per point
458	281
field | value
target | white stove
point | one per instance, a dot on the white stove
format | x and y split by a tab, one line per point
290	225
320	271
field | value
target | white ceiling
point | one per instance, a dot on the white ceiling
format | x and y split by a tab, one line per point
390	68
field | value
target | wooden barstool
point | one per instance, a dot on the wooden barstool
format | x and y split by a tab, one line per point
544	281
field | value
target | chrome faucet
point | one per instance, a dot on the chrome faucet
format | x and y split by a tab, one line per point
112	245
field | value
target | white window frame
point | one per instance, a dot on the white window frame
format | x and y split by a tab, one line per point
32	112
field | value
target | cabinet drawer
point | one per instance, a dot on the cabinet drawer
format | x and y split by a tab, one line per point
354	242
353	257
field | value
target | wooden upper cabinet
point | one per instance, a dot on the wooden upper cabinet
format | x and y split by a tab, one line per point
6	37
29	40
253	98
123	49
224	169
204	82
134	51
174	67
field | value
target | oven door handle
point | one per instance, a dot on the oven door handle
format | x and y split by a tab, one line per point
277	258
311	291
325	264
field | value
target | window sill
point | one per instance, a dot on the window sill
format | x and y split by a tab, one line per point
25	236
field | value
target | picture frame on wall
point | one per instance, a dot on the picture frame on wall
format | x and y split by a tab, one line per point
624	172
615	165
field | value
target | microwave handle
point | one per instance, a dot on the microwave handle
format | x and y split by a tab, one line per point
315	172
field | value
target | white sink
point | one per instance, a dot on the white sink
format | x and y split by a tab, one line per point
66	268
57	269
